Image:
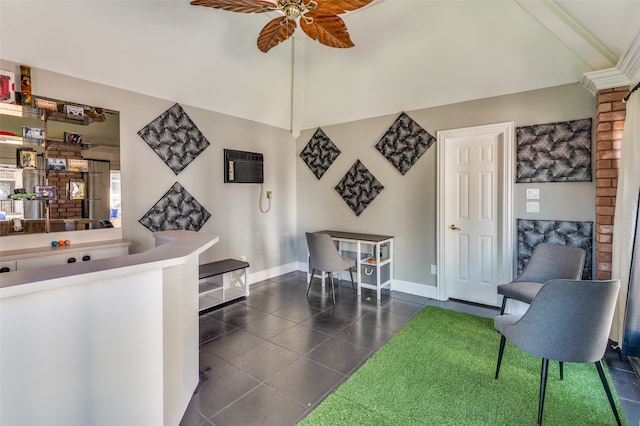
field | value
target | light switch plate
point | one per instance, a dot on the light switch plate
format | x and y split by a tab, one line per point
533	207
533	193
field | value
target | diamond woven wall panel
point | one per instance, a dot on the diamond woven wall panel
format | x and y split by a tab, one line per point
177	209
358	188
174	138
404	143
320	153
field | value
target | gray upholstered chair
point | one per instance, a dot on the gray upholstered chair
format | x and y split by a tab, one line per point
547	262
324	257
568	321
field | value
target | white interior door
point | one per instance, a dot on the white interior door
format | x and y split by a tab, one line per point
474	223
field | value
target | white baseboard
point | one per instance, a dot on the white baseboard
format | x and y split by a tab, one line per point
515	307
415	289
408	287
256	277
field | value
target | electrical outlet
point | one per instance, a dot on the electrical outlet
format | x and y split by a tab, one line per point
269	194
533	207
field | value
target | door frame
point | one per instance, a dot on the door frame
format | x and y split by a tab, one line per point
505	132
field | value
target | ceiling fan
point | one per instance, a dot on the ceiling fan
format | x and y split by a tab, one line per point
318	18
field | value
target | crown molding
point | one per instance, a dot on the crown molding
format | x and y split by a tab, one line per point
625	73
629	62
569	31
595	81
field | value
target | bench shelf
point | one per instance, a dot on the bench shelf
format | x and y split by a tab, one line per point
222	282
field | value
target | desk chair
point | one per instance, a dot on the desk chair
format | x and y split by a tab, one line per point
547	262
324	257
568	321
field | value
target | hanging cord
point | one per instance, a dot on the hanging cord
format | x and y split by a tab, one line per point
626	98
260	201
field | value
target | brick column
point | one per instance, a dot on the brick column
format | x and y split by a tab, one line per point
64	208
611	114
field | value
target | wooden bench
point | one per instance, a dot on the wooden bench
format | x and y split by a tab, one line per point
222	282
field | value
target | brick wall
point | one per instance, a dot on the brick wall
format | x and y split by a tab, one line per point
611	114
64	208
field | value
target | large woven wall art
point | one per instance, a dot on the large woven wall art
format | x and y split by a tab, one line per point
177	209
320	153
404	143
358	188
175	138
556	152
576	234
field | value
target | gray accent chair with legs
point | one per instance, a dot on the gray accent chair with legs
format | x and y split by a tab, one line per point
324	257
568	321
547	262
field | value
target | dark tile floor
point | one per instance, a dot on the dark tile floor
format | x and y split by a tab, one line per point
270	359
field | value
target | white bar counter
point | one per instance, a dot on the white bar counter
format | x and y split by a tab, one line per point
105	342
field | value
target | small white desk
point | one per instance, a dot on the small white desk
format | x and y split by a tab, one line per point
373	255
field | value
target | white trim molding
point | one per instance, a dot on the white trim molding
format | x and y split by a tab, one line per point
629	62
625	73
595	81
506	134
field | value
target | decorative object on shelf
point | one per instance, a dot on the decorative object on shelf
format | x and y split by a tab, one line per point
17	225
320	153
318	19
177	209
56	164
46	104
26	158
32	132
555	152
175	138
77	165
25	85
404	143
5	190
358	188
45	192
74	110
71	137
24	196
7	87
76	190
577	234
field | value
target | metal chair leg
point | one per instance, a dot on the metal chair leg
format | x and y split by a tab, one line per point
313	272
504	304
353	284
333	288
561	364
543	387
607	389
503	340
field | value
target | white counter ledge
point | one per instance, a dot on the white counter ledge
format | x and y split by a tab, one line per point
106	342
172	249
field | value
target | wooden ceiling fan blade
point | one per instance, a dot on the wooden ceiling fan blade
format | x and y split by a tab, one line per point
275	32
328	30
242	6
336	7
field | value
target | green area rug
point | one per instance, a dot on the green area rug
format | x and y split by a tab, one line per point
439	370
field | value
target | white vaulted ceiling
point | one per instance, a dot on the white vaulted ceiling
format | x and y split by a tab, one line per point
409	54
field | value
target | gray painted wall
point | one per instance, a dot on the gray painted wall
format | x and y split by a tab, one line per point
267	240
274	241
407	207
